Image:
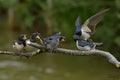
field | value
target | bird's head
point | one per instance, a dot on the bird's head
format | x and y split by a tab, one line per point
22	37
34	37
59	35
62	38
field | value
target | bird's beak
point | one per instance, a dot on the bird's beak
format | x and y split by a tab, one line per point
62	39
24	37
38	37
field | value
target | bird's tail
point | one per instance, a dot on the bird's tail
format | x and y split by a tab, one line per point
98	44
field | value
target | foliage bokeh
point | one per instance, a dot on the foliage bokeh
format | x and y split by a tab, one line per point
49	16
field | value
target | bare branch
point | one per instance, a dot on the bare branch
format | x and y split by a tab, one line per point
111	59
107	55
29	54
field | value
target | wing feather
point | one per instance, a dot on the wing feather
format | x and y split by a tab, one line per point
90	23
77	23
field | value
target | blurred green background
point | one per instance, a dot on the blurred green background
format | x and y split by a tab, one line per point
47	17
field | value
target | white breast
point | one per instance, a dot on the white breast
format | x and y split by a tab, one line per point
28	41
29	48
85	35
18	46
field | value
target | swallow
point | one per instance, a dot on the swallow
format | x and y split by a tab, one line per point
88	28
52	42
20	44
82	44
33	38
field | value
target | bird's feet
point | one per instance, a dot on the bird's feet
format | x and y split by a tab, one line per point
53	50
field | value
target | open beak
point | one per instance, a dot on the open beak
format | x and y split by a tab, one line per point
62	39
38	37
24	37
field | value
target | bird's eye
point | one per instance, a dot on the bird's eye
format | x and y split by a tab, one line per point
79	33
50	38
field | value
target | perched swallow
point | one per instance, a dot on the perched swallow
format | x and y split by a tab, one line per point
32	39
89	25
83	44
20	43
53	41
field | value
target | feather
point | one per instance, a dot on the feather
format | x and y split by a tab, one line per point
90	23
78	26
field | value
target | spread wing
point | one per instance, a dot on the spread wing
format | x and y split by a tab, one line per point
90	23
78	26
77	23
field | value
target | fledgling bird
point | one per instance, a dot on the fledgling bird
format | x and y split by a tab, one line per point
20	44
88	28
82	44
53	41
32	39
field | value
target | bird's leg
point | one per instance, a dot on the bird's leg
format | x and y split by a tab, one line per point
53	50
